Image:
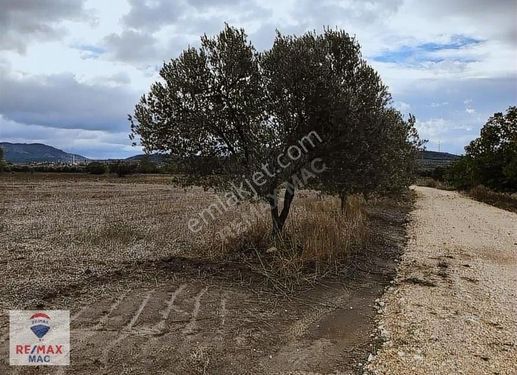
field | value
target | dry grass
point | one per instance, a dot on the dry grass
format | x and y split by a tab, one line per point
432	183
57	231
244	228
323	232
317	239
505	201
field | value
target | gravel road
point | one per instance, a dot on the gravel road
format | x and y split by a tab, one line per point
453	307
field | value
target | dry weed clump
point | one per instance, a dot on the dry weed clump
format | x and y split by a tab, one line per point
324	232
244	229
432	183
505	201
317	239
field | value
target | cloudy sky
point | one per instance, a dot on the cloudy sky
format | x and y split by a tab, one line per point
71	70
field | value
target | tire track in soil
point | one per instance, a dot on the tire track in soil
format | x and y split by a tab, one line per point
158	314
87	334
182	334
160	328
223	312
161	325
125	332
189	329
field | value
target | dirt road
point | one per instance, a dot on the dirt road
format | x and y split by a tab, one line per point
453	306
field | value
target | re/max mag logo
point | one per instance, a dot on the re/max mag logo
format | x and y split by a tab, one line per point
39	338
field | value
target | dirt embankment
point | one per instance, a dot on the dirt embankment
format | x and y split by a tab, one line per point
453	307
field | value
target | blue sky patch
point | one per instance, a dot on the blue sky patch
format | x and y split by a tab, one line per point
423	52
89	51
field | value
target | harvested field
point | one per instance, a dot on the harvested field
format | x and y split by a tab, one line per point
146	297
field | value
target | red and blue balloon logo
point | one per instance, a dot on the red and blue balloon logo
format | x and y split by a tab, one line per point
40	324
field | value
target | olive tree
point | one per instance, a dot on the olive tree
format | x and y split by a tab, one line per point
210	111
229	113
382	158
320	82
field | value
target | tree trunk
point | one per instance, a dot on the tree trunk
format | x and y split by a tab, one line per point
277	225
278	220
343	202
273	203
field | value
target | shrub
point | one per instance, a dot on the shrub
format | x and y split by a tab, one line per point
123	169
96	168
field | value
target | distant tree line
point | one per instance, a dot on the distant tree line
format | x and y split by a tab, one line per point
3	164
490	160
120	168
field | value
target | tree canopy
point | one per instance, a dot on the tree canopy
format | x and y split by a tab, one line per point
230	113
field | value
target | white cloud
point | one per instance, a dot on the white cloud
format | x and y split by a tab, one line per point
402	106
436	105
61	101
93	144
83	64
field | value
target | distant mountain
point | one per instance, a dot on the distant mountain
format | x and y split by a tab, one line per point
432	159
24	153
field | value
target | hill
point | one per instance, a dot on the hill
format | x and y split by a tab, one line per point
431	159
153	158
25	153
